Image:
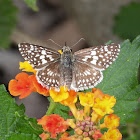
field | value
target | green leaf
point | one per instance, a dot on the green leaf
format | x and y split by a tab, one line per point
127	22
12	118
63	111
28	126
7	112
7	21
22	136
32	4
120	80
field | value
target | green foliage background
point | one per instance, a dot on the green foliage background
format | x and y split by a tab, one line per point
127	22
7	21
8	18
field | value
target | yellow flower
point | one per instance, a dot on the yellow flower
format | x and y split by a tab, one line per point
96	117
59	96
70	122
72	98
60	51
110	121
103	106
25	66
112	134
86	99
87	138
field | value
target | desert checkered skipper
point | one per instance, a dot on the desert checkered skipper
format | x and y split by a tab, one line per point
78	71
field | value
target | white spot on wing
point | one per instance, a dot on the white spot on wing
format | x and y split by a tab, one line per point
93	52
93	62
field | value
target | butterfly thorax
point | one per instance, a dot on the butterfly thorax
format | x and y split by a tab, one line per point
66	57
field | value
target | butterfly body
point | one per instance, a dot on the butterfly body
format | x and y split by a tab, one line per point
78	71
66	66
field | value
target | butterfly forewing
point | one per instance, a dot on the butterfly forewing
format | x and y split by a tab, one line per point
99	57
38	56
85	76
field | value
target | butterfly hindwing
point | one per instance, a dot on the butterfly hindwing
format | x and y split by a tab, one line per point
85	76
38	56
99	57
50	76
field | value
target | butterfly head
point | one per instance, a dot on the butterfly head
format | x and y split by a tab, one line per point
66	49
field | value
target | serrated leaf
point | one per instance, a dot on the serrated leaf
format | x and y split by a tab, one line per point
28	126
120	80
7	21
127	21
32	4
7	113
22	136
12	118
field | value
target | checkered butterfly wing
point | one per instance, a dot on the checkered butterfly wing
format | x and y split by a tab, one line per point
85	76
89	64
38	56
99	57
45	60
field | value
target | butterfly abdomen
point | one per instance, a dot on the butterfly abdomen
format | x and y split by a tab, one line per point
67	76
66	63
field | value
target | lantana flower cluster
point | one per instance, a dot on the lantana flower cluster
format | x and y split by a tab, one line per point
92	111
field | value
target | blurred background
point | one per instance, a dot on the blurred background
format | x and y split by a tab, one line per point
63	21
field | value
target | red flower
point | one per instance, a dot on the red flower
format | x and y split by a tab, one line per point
54	124
97	135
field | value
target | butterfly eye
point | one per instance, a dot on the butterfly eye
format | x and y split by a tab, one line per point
70	50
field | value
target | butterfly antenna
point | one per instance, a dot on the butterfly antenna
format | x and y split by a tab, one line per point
54	42
65	44
77	42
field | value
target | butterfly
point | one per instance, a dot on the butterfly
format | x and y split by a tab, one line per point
78	71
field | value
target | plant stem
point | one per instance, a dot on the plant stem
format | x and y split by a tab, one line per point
52	107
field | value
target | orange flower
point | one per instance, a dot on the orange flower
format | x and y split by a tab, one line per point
110	121
72	98
59	96
103	106
97	134
69	138
44	136
112	134
22	85
39	88
53	124
65	135
97	93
